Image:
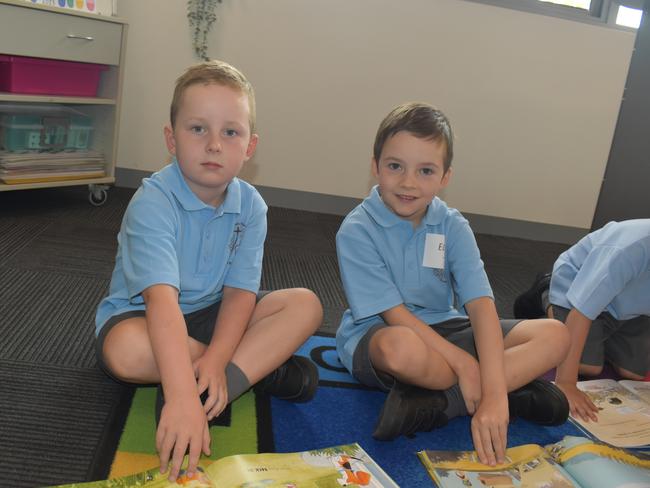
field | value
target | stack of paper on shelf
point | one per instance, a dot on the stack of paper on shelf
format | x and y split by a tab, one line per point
36	167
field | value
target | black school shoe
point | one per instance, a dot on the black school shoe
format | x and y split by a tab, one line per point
296	380
529	305
409	409
539	401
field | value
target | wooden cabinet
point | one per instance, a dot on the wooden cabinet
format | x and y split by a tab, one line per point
62	34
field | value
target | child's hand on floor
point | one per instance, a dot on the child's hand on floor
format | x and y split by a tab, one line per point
490	429
580	404
183	424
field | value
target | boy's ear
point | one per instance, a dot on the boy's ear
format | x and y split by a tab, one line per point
374	167
169	140
445	178
252	144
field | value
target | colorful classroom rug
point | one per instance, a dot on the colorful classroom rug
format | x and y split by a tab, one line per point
244	427
344	412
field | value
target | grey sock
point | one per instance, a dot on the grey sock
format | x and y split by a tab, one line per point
238	384
455	403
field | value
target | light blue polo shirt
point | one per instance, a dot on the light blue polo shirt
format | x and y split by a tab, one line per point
607	270
382	263
169	236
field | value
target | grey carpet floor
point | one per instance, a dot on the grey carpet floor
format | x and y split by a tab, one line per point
60	416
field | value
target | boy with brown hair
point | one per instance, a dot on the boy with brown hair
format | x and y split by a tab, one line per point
411	268
184	307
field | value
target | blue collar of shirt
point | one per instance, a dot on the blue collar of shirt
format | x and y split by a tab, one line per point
375	206
190	202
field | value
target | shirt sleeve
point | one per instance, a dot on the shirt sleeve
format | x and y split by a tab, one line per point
602	276
245	270
148	241
465	264
368	286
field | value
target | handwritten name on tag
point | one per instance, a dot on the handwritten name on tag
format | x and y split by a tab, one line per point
434	251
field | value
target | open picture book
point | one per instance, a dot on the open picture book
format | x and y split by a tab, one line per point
572	462
332	467
623	412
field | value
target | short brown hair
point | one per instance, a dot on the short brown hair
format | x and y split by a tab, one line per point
420	119
220	73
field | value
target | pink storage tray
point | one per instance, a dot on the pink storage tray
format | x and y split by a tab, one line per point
37	76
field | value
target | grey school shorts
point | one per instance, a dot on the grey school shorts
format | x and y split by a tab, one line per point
457	331
200	326
624	343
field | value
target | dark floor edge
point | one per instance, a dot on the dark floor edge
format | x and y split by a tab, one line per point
338	205
105	453
265	441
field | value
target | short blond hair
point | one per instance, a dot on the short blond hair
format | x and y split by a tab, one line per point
217	72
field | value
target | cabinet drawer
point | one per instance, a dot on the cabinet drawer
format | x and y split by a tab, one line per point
26	31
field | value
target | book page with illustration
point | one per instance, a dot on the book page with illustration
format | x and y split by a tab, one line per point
623	416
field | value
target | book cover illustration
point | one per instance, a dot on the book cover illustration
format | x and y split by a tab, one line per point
623	415
595	464
525	466
572	462
333	467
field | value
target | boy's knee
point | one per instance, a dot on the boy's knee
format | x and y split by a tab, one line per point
590	369
560	336
127	361
122	366
308	303
395	352
556	337
626	374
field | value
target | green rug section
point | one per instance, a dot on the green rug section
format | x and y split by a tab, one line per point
240	437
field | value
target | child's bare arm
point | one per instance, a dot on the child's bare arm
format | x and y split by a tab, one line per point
183	423
490	422
566	374
235	312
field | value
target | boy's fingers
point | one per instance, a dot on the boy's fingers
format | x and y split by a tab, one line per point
471	408
164	451
487	447
177	459
504	440
206	441
209	404
478	446
483	445
195	452
201	385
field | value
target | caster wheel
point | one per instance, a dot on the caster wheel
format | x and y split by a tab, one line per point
98	197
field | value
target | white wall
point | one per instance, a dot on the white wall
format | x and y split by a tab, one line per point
533	99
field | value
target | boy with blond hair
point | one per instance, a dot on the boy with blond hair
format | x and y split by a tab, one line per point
422	324
184	307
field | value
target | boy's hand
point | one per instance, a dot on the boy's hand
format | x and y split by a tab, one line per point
469	380
490	429
182	424
211	376
580	404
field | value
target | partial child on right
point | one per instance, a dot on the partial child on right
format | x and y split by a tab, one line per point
600	288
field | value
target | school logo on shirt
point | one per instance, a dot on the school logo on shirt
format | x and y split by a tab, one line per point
235	241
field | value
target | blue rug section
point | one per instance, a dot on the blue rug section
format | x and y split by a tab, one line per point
342	415
322	350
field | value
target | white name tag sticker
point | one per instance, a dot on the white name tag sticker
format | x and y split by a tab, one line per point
434	251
